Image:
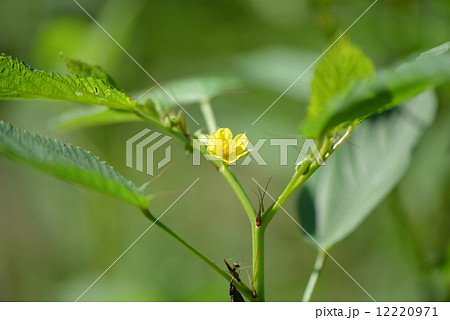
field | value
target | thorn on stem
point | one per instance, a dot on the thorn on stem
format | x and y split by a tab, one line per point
258	219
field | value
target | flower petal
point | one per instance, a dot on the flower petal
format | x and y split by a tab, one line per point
225	134
240	143
222	146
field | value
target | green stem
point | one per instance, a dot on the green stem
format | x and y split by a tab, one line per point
208	114
180	135
303	172
211	123
294	184
257	232
258	261
239	191
246	291
318	265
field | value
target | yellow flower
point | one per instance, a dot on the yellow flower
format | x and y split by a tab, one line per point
221	145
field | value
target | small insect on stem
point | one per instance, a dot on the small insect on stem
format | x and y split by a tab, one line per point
254	294
235	295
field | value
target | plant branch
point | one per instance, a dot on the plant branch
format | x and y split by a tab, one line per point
180	135
239	191
258	261
208	115
304	170
318	265
246	291
257	232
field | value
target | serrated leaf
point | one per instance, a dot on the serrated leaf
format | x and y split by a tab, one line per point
80	68
20	81
68	163
361	173
335	73
390	87
192	90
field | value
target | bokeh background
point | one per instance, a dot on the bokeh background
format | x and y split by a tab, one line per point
57	238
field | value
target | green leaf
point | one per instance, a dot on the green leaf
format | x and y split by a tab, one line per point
80	68
338	70
92	116
20	81
361	173
192	90
68	163
387	89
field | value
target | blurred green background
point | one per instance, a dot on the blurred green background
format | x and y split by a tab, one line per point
57	238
